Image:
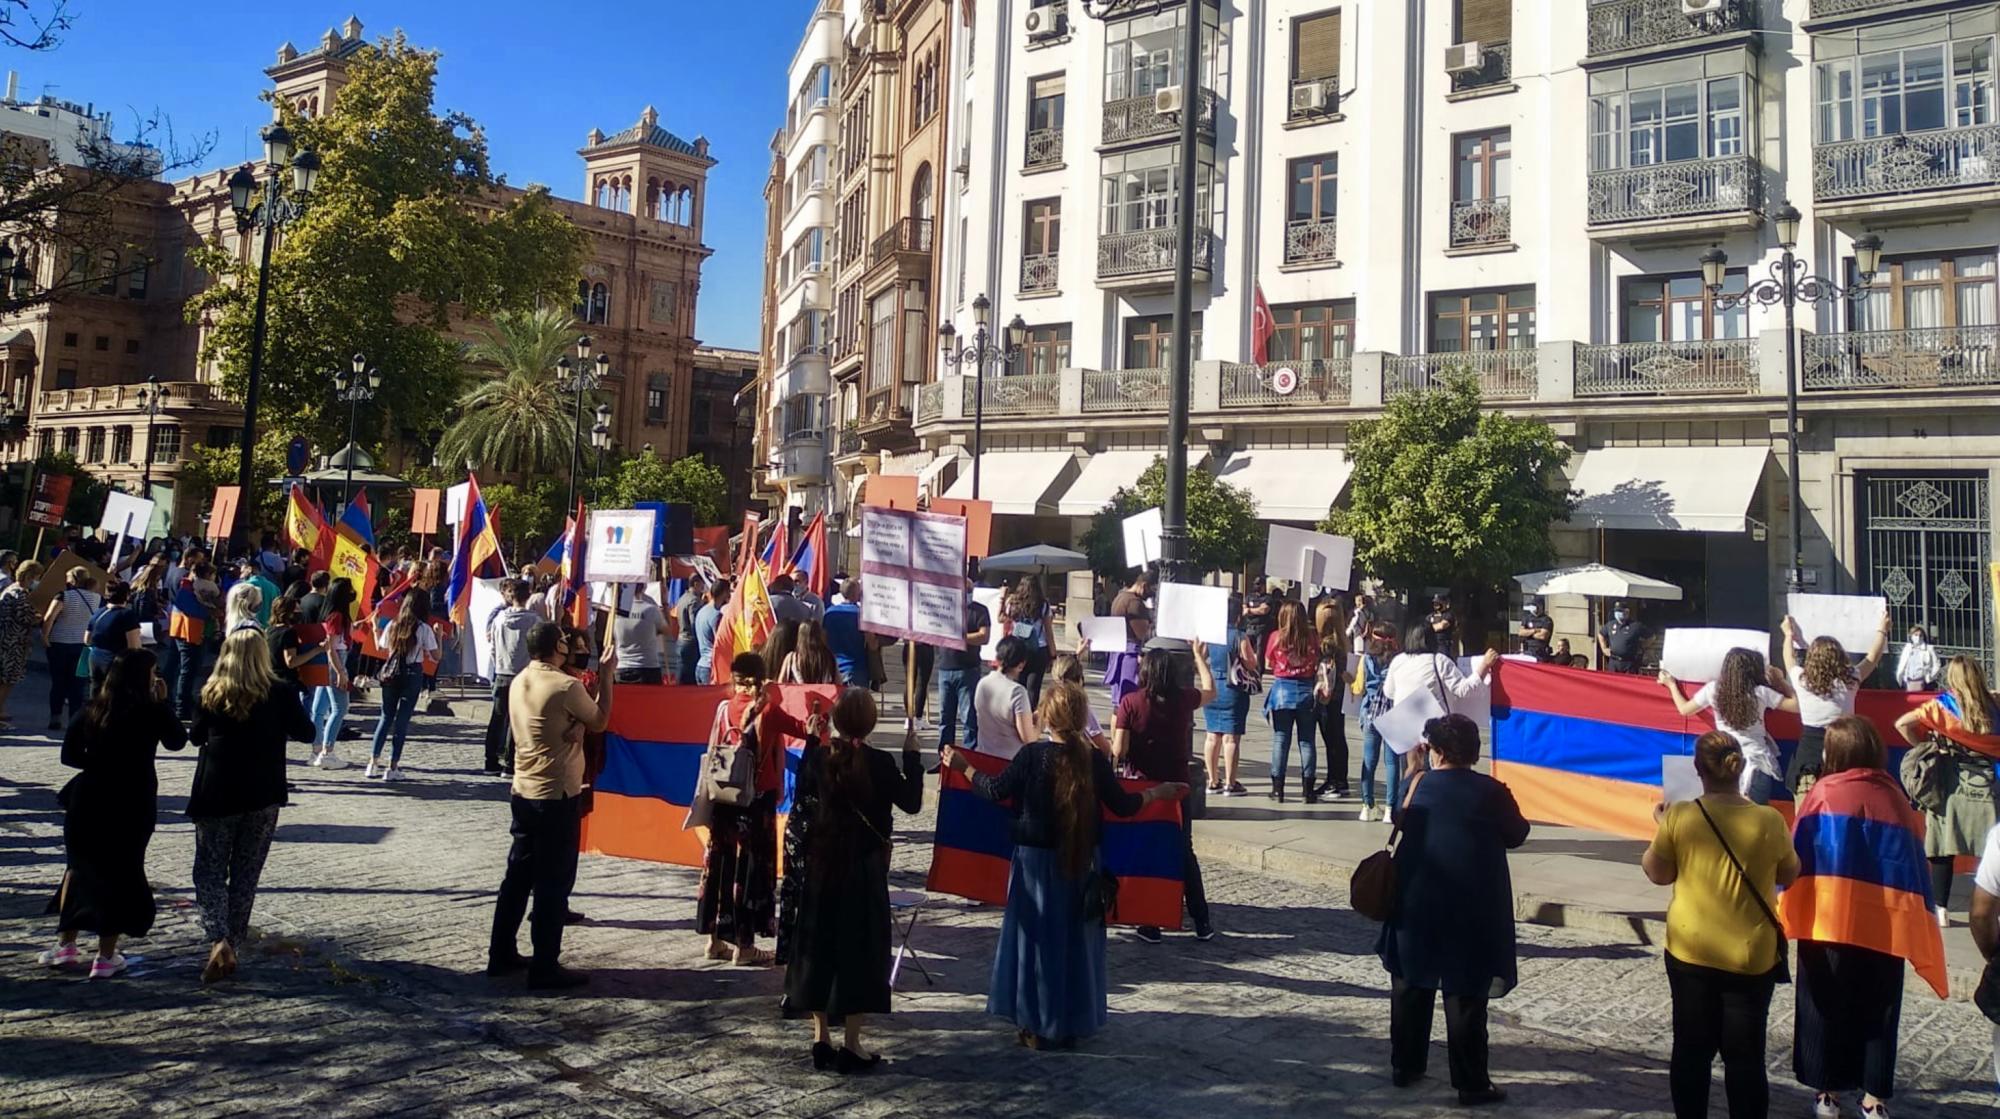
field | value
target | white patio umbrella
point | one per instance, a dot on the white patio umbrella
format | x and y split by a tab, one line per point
1039	558
1597	580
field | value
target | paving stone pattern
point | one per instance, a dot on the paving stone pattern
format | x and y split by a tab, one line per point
362	996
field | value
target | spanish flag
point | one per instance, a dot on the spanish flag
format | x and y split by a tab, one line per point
306	528
353	548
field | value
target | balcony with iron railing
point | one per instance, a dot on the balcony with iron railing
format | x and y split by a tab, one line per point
1147	254
1617	26
1502	374
1825	9
1917	358
910	236
1482	222
1496	67
1040	273
850	440
1911	163
1723	365
1310	240
1681	189
1022	394
1287	384
1126	390
1130	120
1044	148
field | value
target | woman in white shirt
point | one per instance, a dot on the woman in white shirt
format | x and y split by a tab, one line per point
1918	664
1416	669
409	641
1737	699
1824	683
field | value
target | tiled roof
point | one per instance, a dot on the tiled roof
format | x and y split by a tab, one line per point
648	134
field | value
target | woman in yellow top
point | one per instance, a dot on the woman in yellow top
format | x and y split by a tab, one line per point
1722	939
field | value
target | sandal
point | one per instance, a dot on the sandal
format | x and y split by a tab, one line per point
753	957
718	952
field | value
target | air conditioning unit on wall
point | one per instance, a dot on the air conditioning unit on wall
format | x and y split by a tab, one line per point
1311	97
1693	8
1167	102
1464	58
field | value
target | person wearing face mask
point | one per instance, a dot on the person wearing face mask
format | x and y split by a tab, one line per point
1622	640
1917	666
1536	629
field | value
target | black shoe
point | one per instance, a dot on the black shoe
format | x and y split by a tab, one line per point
1204	930
55	724
1482	1097
1148	933
1403	1079
1277	792
1311	795
847	1061
558	978
497	966
492	769
822	1055
572	917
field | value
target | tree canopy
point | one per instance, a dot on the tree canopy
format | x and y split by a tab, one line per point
407	231
1223	530
519	419
1443	495
688	480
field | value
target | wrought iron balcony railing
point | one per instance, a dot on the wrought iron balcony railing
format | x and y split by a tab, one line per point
1309	240
1481	221
1824	8
1723	365
1022	394
1145	252
1129	119
1907	163
1125	390
930	402
1622	25
1496	66
908	235
1920	358
1316	383
1044	148
1669	190
1502	374
1040	272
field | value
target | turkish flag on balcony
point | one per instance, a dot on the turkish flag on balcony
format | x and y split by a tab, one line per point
1261	329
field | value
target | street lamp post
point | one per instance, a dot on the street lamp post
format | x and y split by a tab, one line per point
278	207
1173	513
600	437
1788	285
354	384
980	354
579	378
150	398
18	278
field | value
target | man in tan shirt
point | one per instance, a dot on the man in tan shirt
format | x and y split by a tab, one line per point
549	712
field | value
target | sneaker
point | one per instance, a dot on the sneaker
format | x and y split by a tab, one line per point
392	774
1147	933
1876	1110
1944	917
331	760
317	759
1204	930
1236	789
104	967
371	771
1826	1105
62	955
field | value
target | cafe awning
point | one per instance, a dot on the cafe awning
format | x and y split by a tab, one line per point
1107	472
1021	483
1290	483
1685	489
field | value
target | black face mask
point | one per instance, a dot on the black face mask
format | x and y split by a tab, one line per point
580	661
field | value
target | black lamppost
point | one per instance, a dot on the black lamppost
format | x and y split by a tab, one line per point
980	354
277	208
579	378
1788	285
600	437
354	385
15	275
150	398
1173	512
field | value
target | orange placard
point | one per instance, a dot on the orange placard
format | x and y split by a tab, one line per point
424	511
222	513
891	491
978	521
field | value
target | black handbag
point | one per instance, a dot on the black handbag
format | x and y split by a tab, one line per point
1100	894
1782	972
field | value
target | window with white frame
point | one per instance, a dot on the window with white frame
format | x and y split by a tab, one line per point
1908	89
1142	55
1697	119
1141	190
882	341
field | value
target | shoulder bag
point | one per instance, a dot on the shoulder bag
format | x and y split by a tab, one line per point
1372	889
1927	775
1782	971
731	770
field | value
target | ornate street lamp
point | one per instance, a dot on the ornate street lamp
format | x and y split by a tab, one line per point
579	378
151	395
1788	285
600	437
979	355
354	384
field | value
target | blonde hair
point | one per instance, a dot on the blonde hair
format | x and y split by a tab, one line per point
1066	667
240	609
1966	682
241	677
28	572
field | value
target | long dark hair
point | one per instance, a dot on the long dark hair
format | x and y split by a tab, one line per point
340	598
1295	632
840	832
127	687
1156	675
403	631
1736	688
784	637
814	658
1074	774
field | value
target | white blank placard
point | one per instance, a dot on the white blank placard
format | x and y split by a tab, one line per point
1319	558
1104	634
1193	613
1142	537
1402	726
1696	654
454	502
1678	780
990	597
1854	620
486	602
125	513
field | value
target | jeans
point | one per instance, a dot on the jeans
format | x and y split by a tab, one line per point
329	708
1715	1011
187	658
499	739
702	673
1763	787
955	688
686	653
638	675
229	854
1374	751
1284	722
1942	872
1333	738
926	666
399	702
1410	1010
541	862
65	686
1033	676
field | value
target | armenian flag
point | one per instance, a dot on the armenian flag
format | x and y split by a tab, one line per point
809	564
1862	876
975	849
652	760
576	595
1585	748
551	562
477	555
775	556
368	633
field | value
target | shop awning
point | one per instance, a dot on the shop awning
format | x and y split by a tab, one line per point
1686	489
1290	483
1021	483
927	478
1107	472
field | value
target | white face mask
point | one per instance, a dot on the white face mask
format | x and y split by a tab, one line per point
1621	617
1916	639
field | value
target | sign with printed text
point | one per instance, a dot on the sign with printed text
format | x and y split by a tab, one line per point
51	500
913	575
621	546
978	516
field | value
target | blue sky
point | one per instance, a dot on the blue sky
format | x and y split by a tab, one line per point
538	77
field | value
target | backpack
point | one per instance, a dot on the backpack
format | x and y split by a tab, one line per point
729	772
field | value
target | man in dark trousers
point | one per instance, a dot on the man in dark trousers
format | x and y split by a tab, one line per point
1443	625
550	712
1622	640
1536	630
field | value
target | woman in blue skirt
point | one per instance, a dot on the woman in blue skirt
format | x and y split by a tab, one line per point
1048	969
1234	666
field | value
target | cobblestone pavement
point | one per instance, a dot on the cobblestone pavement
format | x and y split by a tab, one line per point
362	995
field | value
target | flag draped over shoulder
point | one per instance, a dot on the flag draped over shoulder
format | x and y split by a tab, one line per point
369	632
1862	876
745	623
477	555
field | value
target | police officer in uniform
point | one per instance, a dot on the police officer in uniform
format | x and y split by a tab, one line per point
1443	626
1622	639
1536	630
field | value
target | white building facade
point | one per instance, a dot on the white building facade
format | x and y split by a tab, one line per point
1415	188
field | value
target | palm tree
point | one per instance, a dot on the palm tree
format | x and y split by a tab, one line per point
518	420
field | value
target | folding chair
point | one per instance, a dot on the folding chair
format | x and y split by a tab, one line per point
913	901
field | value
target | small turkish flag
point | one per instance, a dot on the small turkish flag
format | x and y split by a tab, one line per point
1261	329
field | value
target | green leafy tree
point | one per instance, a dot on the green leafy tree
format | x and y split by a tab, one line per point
204	468
688	480
529	514
517	420
407	231
1223	530
1443	495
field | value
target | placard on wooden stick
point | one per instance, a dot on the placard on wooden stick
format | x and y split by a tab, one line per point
1302	556
222	512
424	506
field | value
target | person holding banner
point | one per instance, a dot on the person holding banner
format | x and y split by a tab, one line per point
1452	931
113	629
1153	733
1048	967
1378	650
1121	666
1329	693
1961	731
839	958
1825	684
1737	699
1420	666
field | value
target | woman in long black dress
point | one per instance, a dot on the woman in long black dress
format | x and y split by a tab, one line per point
839	949
109	811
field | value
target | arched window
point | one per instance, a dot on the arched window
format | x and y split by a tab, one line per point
601	197
920	194
582	308
600	304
